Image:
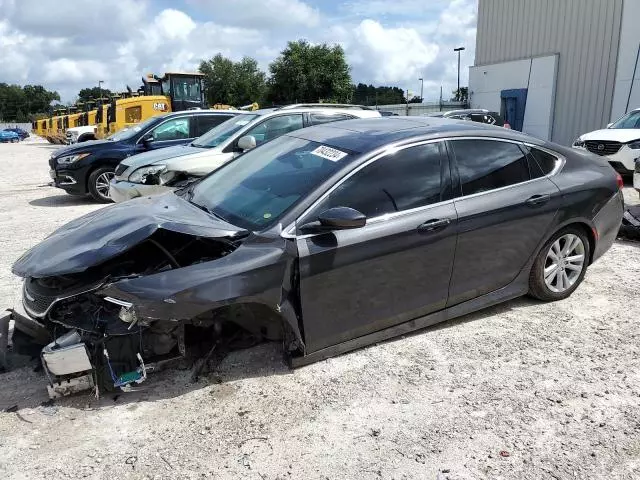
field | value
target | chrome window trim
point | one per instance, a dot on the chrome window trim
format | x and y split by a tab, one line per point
289	231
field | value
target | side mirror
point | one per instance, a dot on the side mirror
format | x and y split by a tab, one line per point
337	218
147	139
246	143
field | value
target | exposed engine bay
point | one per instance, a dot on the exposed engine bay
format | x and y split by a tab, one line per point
96	341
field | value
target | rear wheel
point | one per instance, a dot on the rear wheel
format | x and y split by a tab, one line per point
99	184
560	266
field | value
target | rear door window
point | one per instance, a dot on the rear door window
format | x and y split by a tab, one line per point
275	127
174	129
407	179
485	165
317	118
204	123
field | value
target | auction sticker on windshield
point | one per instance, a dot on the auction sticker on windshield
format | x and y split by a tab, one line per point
329	153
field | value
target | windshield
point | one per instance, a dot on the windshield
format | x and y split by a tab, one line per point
257	188
219	134
130	132
188	89
630	120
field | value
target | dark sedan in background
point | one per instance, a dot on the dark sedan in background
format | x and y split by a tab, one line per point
88	167
328	239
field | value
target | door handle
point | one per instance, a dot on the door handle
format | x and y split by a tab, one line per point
538	200
433	225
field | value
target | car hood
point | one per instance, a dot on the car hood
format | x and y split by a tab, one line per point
623	135
161	154
94	238
83	147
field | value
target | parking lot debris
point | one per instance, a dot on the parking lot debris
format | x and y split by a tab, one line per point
4	340
630	228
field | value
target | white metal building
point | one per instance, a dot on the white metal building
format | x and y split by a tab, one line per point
557	68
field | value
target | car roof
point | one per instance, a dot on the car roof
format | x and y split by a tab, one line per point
365	135
355	110
201	112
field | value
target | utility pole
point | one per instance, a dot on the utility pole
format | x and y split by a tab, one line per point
459	49
421	80
100	82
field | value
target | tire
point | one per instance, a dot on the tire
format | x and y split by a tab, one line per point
570	268
98	184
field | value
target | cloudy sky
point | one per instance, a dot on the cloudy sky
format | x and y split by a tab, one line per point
66	45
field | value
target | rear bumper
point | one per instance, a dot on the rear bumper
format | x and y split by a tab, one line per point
121	191
607	222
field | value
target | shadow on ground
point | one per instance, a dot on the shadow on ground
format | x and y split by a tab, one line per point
62	201
26	388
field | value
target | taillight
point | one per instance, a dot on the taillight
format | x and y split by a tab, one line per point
620	181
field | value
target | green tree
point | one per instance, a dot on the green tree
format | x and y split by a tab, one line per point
369	95
93	93
461	96
233	83
310	73
20	104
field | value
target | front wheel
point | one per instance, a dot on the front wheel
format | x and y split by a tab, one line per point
99	184
560	266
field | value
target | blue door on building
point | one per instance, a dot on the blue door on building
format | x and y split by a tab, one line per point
514	103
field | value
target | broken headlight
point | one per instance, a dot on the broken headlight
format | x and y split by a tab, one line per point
152	175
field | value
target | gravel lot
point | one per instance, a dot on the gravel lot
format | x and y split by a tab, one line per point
522	390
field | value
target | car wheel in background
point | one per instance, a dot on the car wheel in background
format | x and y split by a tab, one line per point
99	184
560	266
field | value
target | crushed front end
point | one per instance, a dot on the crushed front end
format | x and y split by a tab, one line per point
125	290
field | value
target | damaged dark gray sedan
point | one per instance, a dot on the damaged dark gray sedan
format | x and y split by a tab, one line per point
326	239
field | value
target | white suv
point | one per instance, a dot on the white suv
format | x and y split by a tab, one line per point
619	142
158	171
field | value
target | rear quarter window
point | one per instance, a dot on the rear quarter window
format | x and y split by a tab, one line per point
542	162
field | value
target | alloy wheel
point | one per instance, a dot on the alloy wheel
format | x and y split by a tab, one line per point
564	263
102	184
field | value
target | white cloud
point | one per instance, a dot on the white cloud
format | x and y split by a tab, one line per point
68	70
262	14
174	24
388	55
398	8
70	45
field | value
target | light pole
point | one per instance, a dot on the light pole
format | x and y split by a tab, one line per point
459	49
100	82
421	88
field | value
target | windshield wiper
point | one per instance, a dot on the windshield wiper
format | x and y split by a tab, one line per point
208	210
